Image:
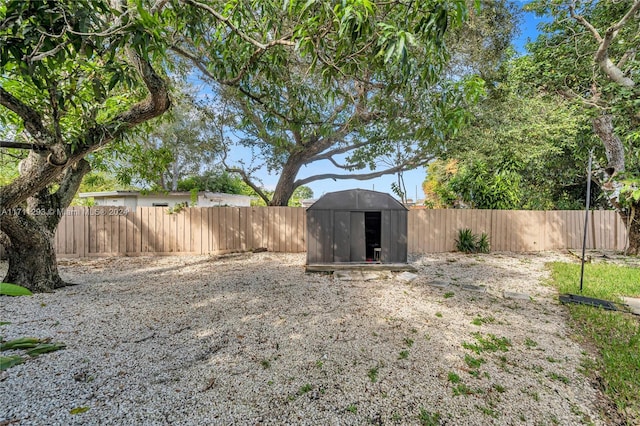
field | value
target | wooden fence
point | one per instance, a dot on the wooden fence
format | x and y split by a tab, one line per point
432	231
109	231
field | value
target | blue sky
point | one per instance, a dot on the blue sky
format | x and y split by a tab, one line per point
414	178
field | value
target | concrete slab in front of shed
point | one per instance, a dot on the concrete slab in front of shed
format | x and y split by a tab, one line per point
476	288
633	303
516	296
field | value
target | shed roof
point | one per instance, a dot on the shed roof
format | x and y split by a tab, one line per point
357	199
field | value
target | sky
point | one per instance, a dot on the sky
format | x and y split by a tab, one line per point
413	179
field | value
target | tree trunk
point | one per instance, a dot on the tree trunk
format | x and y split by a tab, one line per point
31	254
632	222
603	128
286	183
31	231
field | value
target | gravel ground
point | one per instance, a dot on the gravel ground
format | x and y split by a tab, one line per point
252	339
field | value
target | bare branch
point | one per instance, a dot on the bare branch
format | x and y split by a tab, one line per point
23	145
43	55
157	101
629	54
632	11
584	22
570	94
247	179
406	165
329	154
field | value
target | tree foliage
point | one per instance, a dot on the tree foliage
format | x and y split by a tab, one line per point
167	149
588	54
357	86
523	149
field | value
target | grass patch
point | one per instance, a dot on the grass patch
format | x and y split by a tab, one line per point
473	362
615	335
483	320
463	389
488	411
499	388
449	294
305	388
488	343
559	377
373	374
453	377
429	419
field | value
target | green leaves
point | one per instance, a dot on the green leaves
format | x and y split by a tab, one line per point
21	343
9	361
65	59
31	346
8	289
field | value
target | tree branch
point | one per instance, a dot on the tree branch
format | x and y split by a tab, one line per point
602	54
23	145
41	172
30	117
584	22
157	101
329	154
236	30
246	178
406	165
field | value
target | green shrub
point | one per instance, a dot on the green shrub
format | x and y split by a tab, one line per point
483	245
468	242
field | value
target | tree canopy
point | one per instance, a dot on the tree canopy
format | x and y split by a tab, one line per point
365	91
523	149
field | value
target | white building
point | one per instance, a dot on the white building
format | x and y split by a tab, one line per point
133	199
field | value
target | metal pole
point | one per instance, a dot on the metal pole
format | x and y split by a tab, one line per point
586	218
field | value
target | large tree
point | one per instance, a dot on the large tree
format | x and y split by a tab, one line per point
74	76
588	54
384	108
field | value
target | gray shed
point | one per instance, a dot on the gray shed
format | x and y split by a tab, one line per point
356	226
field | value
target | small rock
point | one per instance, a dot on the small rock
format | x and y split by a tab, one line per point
407	276
517	296
476	288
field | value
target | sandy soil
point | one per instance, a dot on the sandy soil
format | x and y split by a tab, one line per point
252	339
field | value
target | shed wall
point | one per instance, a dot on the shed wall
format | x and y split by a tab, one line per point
339	236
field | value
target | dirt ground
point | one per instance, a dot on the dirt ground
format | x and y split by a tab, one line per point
252	339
